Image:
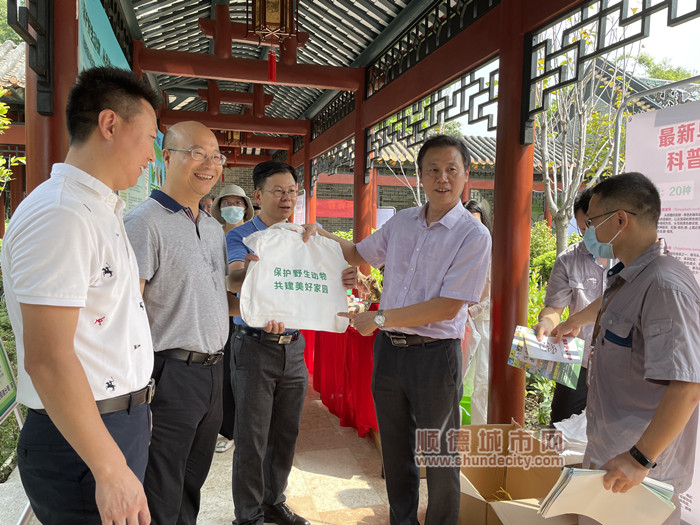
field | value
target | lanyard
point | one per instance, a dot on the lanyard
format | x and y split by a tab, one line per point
616	288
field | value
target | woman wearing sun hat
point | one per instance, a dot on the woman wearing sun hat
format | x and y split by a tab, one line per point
231	208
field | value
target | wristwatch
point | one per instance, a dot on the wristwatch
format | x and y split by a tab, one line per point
641	458
379	319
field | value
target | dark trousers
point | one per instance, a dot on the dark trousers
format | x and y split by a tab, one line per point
417	388
569	401
228	402
186	421
58	483
269	384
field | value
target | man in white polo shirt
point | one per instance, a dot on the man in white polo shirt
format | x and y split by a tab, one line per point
83	340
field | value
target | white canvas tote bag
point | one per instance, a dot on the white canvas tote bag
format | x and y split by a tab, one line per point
294	282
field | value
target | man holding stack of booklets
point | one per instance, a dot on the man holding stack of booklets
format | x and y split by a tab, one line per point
644	370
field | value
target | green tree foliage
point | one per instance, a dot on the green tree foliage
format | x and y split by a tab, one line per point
662	69
6	32
541	240
5	171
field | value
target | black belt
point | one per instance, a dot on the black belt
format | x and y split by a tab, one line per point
398	339
119	403
280	339
192	357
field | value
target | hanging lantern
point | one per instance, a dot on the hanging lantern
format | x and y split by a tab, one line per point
272	20
236	138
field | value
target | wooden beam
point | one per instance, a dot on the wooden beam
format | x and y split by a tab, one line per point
237	122
200	65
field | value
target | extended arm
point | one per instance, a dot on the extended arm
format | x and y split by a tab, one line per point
350	253
63	388
677	405
434	310
548	318
572	325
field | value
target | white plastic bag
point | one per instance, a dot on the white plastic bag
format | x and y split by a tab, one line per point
294	282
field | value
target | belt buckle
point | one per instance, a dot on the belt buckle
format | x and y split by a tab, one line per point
398	340
211	359
150	391
285	339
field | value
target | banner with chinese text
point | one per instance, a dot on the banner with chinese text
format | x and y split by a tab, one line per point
665	146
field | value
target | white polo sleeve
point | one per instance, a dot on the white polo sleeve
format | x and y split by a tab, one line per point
52	258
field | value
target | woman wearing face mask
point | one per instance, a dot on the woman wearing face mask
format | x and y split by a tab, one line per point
231	208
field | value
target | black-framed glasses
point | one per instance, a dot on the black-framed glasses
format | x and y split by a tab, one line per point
201	156
588	221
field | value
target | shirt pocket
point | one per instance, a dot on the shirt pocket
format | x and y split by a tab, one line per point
658	349
584	289
616	345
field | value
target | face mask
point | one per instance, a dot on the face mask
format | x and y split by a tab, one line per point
602	250
232	214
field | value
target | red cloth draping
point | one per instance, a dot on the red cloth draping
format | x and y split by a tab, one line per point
341	365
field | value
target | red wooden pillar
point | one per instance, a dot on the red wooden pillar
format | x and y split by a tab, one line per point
374	189
362	221
47	136
310	199
511	239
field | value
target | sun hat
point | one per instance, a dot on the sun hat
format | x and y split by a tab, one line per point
228	190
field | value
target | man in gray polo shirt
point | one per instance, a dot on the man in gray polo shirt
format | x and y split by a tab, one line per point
182	261
644	369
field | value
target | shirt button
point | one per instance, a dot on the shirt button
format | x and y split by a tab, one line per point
410	269
405	288
610	321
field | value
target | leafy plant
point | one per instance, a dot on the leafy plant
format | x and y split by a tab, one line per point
542	392
541	240
5	171
375	272
543	264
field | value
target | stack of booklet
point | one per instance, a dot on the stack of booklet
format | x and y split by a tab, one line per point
581	491
560	362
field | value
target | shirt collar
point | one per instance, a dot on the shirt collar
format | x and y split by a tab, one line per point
258	223
166	201
449	219
83	178
629	272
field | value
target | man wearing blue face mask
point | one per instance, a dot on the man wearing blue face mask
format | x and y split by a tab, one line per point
577	279
644	370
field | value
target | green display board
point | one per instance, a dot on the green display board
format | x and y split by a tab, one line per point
8	386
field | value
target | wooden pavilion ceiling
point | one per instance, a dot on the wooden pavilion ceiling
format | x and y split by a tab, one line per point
342	33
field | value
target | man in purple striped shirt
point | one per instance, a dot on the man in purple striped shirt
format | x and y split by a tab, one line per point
436	258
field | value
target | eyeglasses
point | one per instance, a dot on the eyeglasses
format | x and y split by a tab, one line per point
278	193
588	221
201	156
226	204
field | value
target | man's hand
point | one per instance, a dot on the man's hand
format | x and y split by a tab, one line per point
571	327
309	230
362	322
273	327
543	328
121	499
624	472
250	257
349	277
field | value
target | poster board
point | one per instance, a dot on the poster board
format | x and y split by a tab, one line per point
8	386
665	146
97	46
